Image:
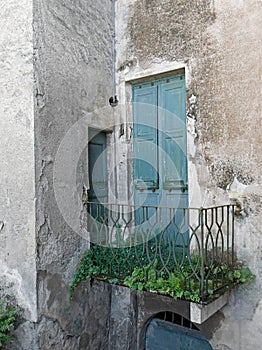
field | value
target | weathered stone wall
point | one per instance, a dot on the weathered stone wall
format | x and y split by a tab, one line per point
218	45
17	174
119	315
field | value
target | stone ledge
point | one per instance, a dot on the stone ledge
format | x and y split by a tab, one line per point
199	313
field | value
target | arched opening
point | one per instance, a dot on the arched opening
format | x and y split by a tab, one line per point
168	330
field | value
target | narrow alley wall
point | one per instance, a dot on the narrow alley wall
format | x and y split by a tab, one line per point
73	77
17	174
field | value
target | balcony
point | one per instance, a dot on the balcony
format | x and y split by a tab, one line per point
185	253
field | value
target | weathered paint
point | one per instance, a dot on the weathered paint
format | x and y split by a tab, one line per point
72	50
55	65
17	174
218	44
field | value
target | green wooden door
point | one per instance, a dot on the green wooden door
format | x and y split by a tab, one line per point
160	161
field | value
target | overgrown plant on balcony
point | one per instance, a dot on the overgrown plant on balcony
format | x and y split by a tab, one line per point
174	284
131	267
186	253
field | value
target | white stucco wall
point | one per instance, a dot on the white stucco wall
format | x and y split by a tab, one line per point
17	175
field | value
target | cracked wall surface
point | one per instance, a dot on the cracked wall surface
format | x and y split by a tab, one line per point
218	44
56	67
17	173
72	61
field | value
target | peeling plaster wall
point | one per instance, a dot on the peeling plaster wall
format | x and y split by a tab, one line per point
56	70
17	174
218	43
68	60
72	59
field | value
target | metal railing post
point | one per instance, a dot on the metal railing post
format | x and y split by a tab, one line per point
202	253
233	234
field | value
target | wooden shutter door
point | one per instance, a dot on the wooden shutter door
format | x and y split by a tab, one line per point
146	180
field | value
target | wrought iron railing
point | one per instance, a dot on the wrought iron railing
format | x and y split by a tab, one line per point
196	243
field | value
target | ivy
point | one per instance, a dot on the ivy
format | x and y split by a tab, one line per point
8	317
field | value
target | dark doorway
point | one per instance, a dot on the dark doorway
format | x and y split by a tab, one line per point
97	169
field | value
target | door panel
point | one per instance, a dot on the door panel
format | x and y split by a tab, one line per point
173	157
146	178
163	335
172	123
145	138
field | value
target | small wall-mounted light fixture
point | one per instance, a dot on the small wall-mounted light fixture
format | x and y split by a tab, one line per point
121	130
113	101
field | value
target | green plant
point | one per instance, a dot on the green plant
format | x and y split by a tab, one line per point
8	317
112	264
239	275
173	284
186	279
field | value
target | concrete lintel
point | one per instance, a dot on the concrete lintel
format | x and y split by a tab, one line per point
155	70
199	313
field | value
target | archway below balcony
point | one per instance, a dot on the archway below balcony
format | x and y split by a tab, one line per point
169	330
